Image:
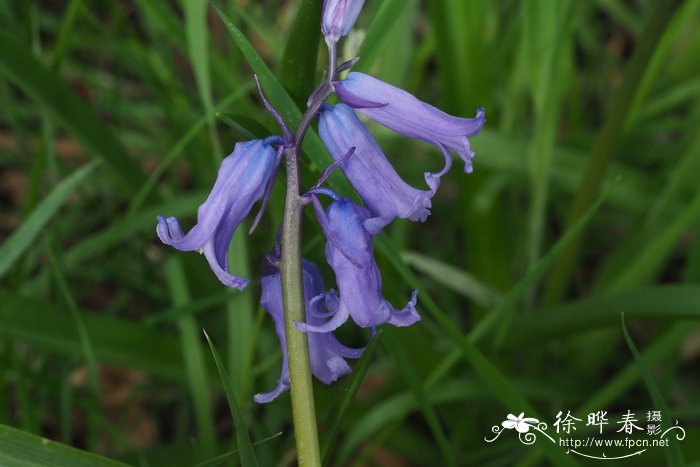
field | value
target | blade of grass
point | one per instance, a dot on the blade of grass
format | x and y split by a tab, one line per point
240	317
503	390
119	229
674	455
21	449
219	460
29	413
334	420
246	126
661	303
619	385
26	234
451	277
178	148
393	345
273	89
245	447
691	274
548	31
656	233
647	263
604	146
392	412
65	33
85	344
43	325
622	14
504	312
196	30
297	71
447	32
190	308
501	387
19	66
278	96
386	18
193	358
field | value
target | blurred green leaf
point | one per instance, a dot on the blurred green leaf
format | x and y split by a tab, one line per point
21	449
25	235
331	427
392	343
197	32
378	31
647	263
606	140
248	127
504	311
193	358
297	71
660	303
19	65
46	326
245	447
278	97
674	455
451	277
218	460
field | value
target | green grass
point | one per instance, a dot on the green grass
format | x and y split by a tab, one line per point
583	205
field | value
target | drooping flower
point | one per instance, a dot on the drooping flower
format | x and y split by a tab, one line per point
338	17
402	112
241	182
350	253
384	192
326	353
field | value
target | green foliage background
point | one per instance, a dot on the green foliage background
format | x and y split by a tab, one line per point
584	205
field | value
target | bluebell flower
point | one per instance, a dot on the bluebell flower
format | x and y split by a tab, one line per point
402	112
326	353
241	182
383	191
350	253
338	17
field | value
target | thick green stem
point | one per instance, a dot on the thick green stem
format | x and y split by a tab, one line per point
303	410
301	389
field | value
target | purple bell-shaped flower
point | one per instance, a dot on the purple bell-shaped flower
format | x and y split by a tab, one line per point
402	112
384	192
241	182
326	353
350	253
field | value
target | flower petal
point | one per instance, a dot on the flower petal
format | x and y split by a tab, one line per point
326	354
522	427
406	114
384	192
360	288
240	183
338	17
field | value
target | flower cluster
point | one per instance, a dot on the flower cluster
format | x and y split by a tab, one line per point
246	175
